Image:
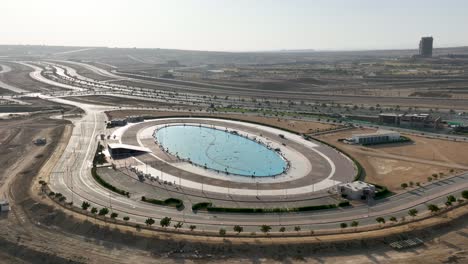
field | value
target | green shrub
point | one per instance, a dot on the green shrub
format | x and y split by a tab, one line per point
173	202
209	207
201	206
465	194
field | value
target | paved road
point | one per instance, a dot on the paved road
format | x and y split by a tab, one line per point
36	75
6	69
73	179
188	86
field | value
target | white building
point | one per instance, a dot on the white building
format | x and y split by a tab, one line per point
381	136
4	206
357	190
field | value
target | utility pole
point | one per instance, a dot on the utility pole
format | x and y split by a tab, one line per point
110	201
257	188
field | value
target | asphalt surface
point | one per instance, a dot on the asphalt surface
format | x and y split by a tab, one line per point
73	179
343	167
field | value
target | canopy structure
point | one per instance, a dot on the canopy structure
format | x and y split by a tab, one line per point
117	149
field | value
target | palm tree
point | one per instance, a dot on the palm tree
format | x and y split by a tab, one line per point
354	223
282	229
451	199
192	227
149	221
85	205
393	219
114	215
126	218
413	212
178	225
265	228
433	208
465	194
165	222
380	220
238	229
297	228
94	210
222	232
103	211
343	225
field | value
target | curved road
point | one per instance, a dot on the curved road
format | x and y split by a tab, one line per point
73	179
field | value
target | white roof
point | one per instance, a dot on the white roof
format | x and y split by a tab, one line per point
378	132
126	146
357	185
3	202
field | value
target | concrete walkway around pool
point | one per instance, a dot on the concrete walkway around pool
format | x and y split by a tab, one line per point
300	168
329	167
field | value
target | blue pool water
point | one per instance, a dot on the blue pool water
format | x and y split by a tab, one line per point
220	150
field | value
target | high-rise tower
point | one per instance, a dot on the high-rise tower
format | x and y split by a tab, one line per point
425	47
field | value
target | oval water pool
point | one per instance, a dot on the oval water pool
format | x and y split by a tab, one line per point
220	150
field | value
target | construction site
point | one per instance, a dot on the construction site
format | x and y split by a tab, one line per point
233	132
84	171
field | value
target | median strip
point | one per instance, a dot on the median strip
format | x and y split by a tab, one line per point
206	206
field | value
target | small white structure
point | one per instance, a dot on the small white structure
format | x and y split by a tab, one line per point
4	206
381	136
357	190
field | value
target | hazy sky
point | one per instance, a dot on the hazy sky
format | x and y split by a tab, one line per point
235	25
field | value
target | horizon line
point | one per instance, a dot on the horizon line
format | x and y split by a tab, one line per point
299	50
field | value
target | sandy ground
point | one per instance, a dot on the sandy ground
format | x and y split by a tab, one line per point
290	124
19	77
35	232
393	164
119	101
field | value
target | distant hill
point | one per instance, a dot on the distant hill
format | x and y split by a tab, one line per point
129	56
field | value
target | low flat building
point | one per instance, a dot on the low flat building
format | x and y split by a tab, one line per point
357	190
4	206
117	122
411	120
381	136
390	118
134	119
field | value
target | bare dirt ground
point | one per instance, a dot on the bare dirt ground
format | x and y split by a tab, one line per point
19	77
393	164
298	126
35	104
36	232
119	101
